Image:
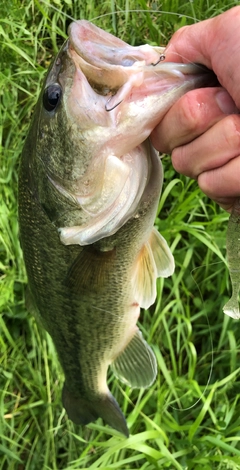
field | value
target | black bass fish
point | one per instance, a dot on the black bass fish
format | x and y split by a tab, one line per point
89	186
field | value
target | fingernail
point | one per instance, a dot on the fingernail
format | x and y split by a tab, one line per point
226	103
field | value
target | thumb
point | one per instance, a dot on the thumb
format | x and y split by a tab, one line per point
212	43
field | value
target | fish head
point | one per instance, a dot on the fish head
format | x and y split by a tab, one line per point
101	100
81	127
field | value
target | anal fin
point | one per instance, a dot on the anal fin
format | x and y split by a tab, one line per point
136	365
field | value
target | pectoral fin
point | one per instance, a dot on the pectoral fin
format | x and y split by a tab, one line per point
162	254
136	365
154	260
144	278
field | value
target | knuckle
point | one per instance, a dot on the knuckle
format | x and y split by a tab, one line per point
231	132
191	113
180	161
180	33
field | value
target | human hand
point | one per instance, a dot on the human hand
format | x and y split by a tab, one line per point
202	130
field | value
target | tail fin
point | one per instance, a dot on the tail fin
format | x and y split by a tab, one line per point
83	411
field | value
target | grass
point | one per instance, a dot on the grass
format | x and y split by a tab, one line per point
190	418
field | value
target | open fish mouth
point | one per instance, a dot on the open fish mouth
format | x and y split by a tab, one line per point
106	60
118	95
109	63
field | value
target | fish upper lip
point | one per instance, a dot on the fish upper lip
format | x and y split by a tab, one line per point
106	61
102	55
100	49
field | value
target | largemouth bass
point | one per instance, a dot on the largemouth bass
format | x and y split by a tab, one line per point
233	256
89	186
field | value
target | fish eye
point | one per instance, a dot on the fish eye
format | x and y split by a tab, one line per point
51	96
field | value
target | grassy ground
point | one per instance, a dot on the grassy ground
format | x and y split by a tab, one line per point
190	418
